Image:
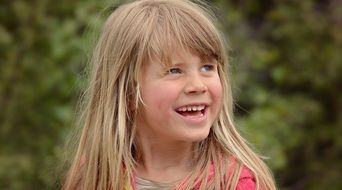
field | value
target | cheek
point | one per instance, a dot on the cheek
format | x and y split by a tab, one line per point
217	97
159	97
217	90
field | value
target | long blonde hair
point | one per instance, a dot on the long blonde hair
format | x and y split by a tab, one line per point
107	150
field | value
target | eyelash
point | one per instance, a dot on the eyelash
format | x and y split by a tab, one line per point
179	71
210	67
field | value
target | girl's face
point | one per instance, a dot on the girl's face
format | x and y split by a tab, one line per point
181	102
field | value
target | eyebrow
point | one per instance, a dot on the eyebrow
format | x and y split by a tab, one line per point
179	63
203	61
208	59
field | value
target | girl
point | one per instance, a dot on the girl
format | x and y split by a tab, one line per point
159	106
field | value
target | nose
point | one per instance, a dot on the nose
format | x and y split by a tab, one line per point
195	85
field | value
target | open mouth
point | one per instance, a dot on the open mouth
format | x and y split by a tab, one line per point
192	111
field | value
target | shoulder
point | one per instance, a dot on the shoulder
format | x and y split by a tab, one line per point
246	180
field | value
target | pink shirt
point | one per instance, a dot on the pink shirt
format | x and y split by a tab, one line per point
246	181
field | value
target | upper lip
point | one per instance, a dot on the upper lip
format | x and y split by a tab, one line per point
192	105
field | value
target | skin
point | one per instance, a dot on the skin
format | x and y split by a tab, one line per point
166	136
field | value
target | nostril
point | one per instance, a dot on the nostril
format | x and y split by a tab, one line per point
196	89
195	84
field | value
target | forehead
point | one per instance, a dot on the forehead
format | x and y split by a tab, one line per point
189	57
178	55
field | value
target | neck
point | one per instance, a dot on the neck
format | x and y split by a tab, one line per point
164	161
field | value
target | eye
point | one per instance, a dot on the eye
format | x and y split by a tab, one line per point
174	71
207	68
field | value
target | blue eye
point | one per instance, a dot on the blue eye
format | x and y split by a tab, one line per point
207	68
174	71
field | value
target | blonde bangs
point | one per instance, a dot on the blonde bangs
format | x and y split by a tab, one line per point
181	27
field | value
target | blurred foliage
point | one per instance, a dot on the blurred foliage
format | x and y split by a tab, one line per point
43	53
286	60
286	65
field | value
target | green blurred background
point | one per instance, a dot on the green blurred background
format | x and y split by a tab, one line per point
286	63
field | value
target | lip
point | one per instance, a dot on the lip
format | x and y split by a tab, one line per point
194	120
194	104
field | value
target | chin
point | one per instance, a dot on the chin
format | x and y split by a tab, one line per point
198	137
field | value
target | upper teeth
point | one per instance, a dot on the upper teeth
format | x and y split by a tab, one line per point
191	108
